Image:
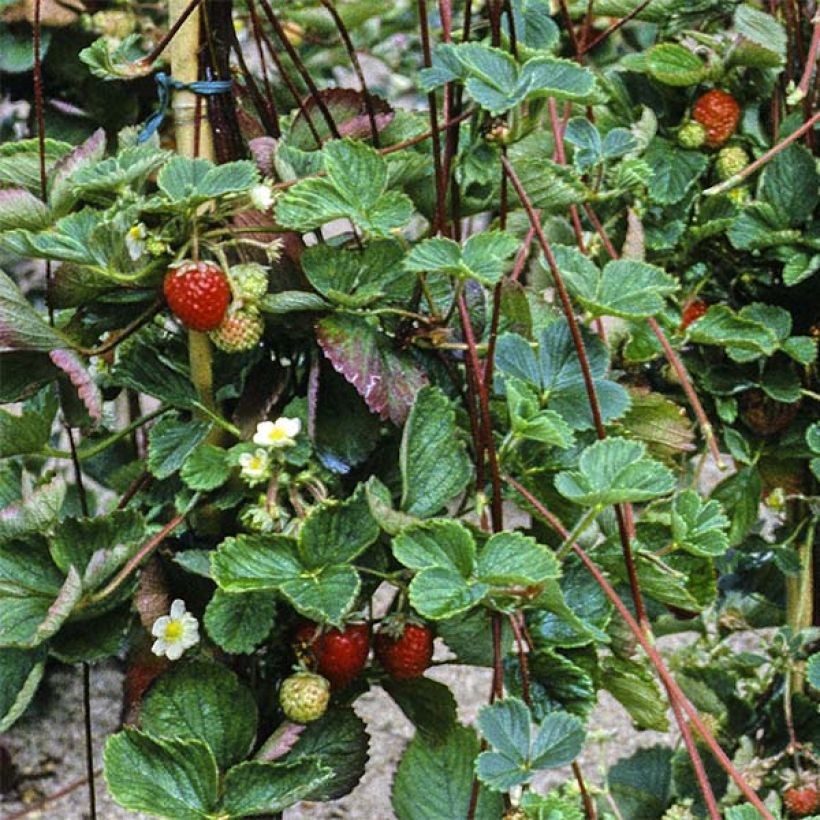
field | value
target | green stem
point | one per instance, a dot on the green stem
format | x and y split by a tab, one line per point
580	527
224	424
800	600
95	449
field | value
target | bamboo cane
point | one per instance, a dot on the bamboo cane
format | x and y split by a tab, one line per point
192	139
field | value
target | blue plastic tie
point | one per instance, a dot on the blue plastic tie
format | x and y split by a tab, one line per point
165	84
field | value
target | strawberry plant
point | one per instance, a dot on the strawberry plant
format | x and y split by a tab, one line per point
478	335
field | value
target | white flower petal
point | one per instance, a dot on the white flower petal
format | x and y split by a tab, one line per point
174	651
177	609
290	427
160	625
159	646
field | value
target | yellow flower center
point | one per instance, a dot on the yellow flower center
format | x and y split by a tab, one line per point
173	632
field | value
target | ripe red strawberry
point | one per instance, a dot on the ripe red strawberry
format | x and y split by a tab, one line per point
339	656
719	113
198	293
404	649
692	311
802	801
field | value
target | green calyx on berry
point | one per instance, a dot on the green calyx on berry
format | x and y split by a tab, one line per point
240	330
198	294
731	160
404	647
692	135
304	697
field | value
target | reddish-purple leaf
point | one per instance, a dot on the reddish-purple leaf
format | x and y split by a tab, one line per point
73	366
387	379
60	192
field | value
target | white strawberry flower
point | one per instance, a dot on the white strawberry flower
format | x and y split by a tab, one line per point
254	466
261	197
175	632
279	433
135	241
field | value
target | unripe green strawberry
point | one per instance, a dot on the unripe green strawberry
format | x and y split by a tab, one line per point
304	697
249	281
241	330
730	161
692	135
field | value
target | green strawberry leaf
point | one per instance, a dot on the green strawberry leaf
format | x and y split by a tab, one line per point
433	459
200	700
624	288
483	256
256	787
698	526
21	671
355	189
340	741
615	471
434	779
510	558
238	623
175	779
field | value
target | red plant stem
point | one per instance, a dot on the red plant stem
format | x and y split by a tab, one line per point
586	47
674	691
475	429
764	158
496	508
489	364
589	805
580	349
286	79
697	761
136	560
357	67
811	60
265	105
565	16
498	669
441	193
586	28
494	8
523	660
671	355
142	480
153	56
300	66
521	259
51	798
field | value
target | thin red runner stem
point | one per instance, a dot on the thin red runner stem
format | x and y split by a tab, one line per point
138	558
496	507
441	193
752	167
153	55
613	28
357	67
281	35
672	688
583	360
